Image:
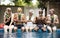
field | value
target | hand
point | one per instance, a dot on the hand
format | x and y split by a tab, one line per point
8	19
19	21
55	23
48	22
29	21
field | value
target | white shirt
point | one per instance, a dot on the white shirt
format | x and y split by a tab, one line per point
32	18
30	23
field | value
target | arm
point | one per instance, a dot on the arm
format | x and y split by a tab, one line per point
5	21
12	16
29	20
34	21
4	18
27	17
23	19
15	18
56	20
48	21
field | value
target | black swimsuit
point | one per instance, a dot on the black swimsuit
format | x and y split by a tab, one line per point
7	16
40	22
8	22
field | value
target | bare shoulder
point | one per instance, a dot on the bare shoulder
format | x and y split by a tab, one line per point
55	15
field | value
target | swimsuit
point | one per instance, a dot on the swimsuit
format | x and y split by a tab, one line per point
40	23
7	16
52	20
19	24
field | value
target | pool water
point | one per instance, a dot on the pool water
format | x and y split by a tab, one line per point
33	34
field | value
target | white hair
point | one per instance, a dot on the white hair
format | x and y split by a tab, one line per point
31	10
8	8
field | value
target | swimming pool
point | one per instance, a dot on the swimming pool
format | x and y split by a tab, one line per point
32	34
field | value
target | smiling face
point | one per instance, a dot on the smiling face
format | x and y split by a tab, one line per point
30	13
19	10
9	10
51	11
40	13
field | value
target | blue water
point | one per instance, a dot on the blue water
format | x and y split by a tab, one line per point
32	34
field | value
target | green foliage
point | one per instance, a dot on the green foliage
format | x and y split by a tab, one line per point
20	3
29	3
26	3
41	5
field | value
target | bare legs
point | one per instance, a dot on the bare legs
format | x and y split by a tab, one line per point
43	28
28	28
23	29
6	27
51	29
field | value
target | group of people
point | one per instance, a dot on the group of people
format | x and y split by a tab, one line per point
19	20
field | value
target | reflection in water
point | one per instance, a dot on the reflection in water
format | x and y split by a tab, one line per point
30	35
5	35
49	35
12	35
54	35
1	35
